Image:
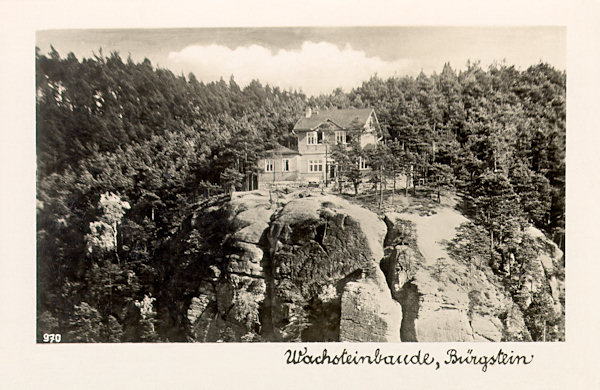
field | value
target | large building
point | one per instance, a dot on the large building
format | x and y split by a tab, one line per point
317	133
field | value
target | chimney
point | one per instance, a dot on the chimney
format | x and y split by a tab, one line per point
308	112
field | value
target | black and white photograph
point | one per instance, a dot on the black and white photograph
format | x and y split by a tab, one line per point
313	184
299	194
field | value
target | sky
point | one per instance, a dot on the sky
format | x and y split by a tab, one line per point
316	59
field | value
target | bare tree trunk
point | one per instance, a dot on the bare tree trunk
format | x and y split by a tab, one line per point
380	187
413	177
407	179
110	289
544	333
114	227
394	187
560	244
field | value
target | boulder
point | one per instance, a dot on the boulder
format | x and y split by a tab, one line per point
368	312
251	233
318	243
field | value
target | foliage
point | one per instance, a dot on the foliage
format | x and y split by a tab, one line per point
113	330
541	319
124	149
471	245
46	323
497	206
443	178
245	308
347	158
84	324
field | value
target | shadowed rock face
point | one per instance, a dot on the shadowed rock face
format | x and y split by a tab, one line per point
318	268
298	270
320	241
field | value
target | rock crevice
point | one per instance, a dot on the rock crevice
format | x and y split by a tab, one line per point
319	268
292	272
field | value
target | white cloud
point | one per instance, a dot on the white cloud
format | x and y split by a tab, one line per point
315	67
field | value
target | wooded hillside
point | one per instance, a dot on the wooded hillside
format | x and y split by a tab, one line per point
125	149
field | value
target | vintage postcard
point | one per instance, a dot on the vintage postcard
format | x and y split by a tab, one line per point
365	194
301	184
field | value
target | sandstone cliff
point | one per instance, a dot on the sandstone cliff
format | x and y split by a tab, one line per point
312	267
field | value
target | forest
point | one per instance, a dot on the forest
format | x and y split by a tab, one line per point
125	149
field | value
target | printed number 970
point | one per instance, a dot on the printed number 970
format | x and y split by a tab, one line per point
51	338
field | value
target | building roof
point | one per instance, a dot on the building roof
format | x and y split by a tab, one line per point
282	150
342	118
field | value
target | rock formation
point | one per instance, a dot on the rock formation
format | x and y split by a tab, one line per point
368	312
312	267
446	299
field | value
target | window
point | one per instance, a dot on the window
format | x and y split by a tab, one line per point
319	137
340	137
285	165
362	163
315	165
269	164
311	138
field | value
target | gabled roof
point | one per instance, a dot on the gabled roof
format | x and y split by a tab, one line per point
281	150
342	118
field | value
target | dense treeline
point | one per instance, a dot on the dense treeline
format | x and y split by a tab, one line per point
503	122
124	149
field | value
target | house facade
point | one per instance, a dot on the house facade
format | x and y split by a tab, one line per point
317	133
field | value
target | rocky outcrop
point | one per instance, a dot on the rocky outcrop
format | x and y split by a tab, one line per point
287	268
368	311
448	299
313	267
544	270
441	304
318	244
231	285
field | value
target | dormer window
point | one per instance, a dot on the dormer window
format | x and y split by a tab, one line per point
311	138
340	137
